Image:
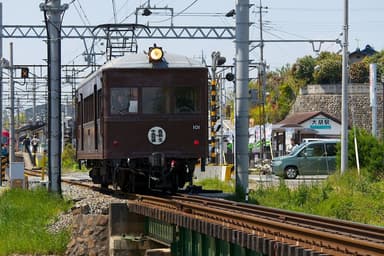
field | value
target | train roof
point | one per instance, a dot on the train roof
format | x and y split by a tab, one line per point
140	60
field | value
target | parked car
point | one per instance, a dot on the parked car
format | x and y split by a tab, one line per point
310	158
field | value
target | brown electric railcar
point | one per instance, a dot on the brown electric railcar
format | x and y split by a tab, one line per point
142	121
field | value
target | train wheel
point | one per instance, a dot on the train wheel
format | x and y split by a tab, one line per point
131	183
122	181
115	172
104	182
174	183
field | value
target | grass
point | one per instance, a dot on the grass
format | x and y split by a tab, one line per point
348	197
216	184
24	216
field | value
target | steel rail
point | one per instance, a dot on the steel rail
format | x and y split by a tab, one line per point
359	230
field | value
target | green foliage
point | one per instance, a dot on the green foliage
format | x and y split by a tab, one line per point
370	152
68	158
328	69
280	102
24	216
359	72
216	184
303	69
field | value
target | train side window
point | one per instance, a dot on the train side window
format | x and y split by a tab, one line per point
88	109
124	100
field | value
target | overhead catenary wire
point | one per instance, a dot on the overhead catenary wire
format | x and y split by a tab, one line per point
179	13
114	11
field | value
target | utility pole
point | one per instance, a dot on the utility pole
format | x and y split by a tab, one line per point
12	122
52	14
241	97
18	112
372	94
344	95
262	83
34	98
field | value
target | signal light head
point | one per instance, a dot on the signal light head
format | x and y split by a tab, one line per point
24	72
155	54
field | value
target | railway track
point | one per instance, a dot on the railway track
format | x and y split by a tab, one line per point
282	230
252	225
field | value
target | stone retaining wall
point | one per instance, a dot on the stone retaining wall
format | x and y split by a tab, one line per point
89	235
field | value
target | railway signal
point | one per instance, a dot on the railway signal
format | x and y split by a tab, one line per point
24	72
217	60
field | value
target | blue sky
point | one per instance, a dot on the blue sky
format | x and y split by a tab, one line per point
284	20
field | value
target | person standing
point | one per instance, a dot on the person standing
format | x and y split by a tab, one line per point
26	143
291	147
4	150
35	143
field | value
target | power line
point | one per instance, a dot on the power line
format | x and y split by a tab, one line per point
114	11
83	13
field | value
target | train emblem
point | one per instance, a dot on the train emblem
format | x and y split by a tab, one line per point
156	135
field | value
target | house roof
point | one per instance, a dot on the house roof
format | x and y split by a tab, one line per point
298	118
358	55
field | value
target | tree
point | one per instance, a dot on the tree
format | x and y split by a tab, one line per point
328	68
303	69
359	72
282	89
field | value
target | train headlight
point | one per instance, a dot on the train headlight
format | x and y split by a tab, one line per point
155	54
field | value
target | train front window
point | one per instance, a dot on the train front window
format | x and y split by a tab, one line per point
124	100
168	100
187	100
156	100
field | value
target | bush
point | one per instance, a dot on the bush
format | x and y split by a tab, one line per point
370	151
68	158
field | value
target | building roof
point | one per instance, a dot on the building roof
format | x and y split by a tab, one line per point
298	118
358	55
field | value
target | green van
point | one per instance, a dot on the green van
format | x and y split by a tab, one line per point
310	158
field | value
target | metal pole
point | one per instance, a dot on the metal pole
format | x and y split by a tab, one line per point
372	94
52	14
241	97
262	83
18	112
221	116
213	115
217	60
12	92
34	98
344	95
